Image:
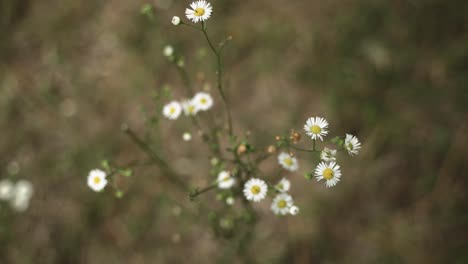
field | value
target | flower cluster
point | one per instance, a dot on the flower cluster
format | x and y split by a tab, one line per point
236	160
190	107
17	194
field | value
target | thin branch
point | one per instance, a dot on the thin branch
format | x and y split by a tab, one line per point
167	171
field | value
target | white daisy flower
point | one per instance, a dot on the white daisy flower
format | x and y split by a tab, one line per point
328	154
24	189
97	180
176	21
316	127
187	136
352	144
6	189
199	11
172	110
287	162
190	107
330	172
281	204
203	101
255	190
283	185
294	210
21	195
225	180
168	51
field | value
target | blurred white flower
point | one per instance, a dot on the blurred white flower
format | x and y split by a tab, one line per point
287	161
199	11
6	189
316	127
255	190
168	51
283	185
176	21
20	194
328	171
225	180
97	180
23	189
352	144
203	101
281	204
328	154
187	136
230	200
172	110
190	107
294	210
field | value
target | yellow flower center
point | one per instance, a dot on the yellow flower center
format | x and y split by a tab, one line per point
172	110
203	101
315	129
97	180
199	11
191	109
350	146
225	179
288	161
281	204
255	189
328	174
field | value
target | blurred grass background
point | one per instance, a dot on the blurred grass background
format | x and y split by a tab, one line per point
394	73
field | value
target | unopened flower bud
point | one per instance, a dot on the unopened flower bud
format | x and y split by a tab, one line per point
176	20
271	149
295	137
241	149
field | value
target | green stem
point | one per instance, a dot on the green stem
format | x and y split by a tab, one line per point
303	149
197	191
167	171
220	77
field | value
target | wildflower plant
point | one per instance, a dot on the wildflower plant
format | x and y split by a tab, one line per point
235	160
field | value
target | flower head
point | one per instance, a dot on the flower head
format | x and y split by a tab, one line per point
287	161
175	20
187	136
199	11
203	101
328	154
172	110
330	172
225	180
283	185
6	189
316	127
97	180
255	190
168	51
22	193
352	144
230	200
281	204
190	107
294	210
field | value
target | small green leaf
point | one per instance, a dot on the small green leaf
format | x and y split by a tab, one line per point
126	172
105	165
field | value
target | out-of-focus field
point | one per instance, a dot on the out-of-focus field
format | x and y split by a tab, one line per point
395	73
